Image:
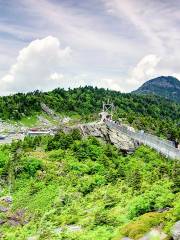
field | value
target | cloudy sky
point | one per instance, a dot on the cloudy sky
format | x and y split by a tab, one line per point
116	44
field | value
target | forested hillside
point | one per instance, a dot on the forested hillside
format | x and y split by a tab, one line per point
66	187
151	113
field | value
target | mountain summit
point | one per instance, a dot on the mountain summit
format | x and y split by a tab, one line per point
165	86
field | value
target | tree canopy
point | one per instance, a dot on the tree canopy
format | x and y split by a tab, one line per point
151	113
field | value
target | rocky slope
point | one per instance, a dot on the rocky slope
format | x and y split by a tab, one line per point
165	86
111	136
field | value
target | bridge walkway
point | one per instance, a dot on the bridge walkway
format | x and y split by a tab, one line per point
164	147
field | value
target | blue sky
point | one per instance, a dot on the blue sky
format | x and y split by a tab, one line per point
113	44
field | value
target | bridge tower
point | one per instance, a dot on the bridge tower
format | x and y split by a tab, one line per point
107	111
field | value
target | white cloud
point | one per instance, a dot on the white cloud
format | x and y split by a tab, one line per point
146	68
155	24
36	67
108	40
56	76
110	83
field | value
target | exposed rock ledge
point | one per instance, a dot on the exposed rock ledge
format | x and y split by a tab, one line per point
118	139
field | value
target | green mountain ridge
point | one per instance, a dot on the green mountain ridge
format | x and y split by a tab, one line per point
165	86
153	114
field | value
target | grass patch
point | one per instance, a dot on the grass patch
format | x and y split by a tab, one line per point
29	121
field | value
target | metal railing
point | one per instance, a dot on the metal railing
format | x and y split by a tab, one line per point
164	147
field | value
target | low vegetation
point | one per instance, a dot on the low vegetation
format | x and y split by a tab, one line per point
66	187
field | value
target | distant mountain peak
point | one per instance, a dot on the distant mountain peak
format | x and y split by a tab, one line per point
165	86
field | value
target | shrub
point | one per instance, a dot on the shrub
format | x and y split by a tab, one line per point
76	134
142	225
4	157
32	165
158	196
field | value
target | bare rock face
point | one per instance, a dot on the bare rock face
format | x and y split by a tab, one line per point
121	141
155	234
118	139
176	231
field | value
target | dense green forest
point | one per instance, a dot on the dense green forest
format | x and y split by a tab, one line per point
151	113
66	187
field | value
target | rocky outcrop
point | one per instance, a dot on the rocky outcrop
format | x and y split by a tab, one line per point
6	199
155	234
118	139
176	231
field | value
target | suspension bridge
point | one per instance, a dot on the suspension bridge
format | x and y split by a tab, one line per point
165	147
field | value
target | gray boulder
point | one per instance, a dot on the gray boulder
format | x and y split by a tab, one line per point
74	228
13	222
3	209
176	231
155	234
33	238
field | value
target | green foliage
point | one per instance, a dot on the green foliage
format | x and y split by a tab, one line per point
151	113
156	197
4	157
76	134
60	140
31	166
89	185
29	121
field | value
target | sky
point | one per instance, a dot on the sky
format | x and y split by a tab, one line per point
115	44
